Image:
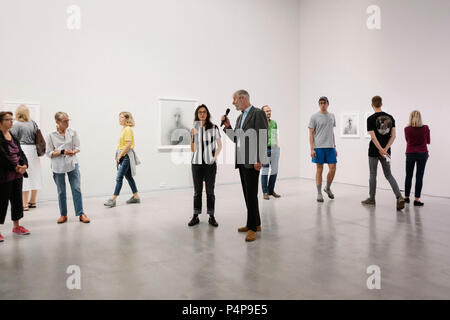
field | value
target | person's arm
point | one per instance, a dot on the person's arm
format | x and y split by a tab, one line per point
391	139
311	142
276	134
23	158
76	143
260	124
193	133
128	137
334	143
50	148
219	148
377	143
228	129
428	136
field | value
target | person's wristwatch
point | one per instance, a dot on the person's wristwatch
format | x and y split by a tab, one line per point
62	151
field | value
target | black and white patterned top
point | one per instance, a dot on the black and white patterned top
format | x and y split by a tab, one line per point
205	142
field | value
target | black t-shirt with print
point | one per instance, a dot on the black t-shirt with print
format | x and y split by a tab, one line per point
381	123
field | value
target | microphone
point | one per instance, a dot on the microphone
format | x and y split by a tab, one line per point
226	114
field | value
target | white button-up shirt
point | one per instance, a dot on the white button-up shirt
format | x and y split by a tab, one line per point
56	141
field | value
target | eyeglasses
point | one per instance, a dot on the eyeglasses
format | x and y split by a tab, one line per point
202	112
8	119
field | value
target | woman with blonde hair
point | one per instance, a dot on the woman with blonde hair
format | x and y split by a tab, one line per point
417	137
62	148
24	129
126	159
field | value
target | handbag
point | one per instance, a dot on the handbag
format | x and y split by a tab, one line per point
39	141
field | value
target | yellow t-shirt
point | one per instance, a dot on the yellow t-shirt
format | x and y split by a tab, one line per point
125	137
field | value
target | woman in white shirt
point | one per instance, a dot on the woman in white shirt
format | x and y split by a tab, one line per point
62	147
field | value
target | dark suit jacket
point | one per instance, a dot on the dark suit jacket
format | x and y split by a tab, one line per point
5	162
254	149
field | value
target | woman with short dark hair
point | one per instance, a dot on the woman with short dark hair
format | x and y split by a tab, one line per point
13	166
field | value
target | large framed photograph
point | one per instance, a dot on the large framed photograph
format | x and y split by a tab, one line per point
176	118
35	109
350	125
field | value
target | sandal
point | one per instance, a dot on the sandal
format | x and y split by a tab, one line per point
26	208
31	205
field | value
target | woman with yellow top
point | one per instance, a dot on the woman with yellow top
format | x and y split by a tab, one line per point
126	160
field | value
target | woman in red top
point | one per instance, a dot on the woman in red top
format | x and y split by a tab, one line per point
417	138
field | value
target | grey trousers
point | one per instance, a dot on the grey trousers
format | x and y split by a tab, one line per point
373	165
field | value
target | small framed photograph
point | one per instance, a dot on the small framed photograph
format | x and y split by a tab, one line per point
350	125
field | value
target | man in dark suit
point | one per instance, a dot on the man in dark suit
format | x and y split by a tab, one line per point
250	137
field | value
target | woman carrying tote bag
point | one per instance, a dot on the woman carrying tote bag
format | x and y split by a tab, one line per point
25	130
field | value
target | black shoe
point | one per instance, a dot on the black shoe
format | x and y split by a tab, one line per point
406	200
195	220
212	221
418	203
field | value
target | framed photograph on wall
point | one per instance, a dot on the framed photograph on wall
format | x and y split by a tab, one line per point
35	109
350	125
176	117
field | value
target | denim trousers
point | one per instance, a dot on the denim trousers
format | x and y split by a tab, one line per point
124	170
268	183
75	181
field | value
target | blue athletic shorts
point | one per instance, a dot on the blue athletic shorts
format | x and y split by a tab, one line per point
325	155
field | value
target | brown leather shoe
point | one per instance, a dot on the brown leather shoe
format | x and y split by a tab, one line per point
275	195
84	219
251	236
62	219
245	229
266	196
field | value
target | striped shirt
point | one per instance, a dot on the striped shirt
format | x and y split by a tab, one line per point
205	145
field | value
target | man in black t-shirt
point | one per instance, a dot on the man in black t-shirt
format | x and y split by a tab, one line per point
381	127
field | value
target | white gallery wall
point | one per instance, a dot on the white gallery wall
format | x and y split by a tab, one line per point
127	54
406	62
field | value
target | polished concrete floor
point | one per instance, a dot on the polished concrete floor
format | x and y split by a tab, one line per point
306	250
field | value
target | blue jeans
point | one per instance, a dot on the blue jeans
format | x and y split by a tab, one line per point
74	180
124	170
274	156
